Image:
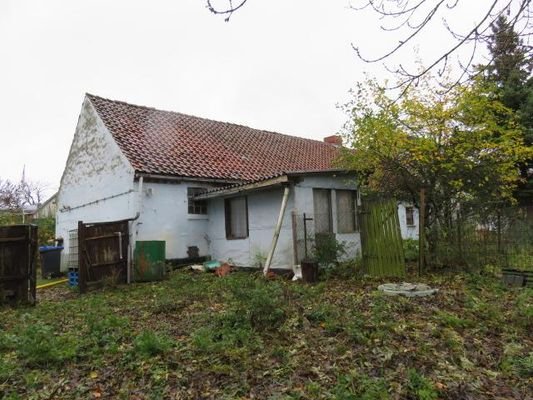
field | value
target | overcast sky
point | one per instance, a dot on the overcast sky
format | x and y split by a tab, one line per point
280	65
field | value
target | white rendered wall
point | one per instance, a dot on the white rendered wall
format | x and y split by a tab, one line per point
304	204
164	216
263	212
95	172
408	232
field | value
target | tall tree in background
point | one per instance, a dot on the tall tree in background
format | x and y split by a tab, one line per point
510	71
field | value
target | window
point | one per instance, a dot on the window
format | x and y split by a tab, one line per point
347	211
322	207
196	206
410	216
236	210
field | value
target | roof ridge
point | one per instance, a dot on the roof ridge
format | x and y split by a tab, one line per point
89	95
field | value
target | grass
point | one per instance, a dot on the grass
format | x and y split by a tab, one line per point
239	337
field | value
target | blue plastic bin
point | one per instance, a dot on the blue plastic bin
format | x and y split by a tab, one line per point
50	261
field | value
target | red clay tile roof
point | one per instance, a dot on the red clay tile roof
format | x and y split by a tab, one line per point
174	144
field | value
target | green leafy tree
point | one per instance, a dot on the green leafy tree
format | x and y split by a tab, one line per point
453	144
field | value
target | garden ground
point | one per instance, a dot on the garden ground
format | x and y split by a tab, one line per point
197	336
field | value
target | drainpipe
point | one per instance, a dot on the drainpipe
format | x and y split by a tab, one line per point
277	231
133	229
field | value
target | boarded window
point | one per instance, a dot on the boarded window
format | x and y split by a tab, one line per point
410	216
322	206
196	206
346	211
236	210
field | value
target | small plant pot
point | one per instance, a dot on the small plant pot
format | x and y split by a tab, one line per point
309	271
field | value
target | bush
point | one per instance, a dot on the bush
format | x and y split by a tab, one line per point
327	249
410	249
46	230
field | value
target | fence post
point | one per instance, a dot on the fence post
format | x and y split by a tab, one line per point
82	267
421	231
294	237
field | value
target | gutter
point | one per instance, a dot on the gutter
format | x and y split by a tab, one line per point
134	227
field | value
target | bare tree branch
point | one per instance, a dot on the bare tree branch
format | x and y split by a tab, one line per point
17	196
414	18
227	10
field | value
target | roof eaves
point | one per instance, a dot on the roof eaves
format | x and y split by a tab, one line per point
244	187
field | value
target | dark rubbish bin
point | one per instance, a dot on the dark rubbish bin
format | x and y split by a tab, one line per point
309	271
50	261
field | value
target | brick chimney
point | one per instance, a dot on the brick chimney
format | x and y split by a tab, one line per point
334	139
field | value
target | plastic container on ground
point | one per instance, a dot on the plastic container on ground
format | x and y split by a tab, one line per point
309	271
73	278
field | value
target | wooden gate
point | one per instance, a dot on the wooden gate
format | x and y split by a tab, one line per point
381	239
102	253
18	252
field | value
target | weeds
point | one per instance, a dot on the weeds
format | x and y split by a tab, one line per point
150	344
419	387
198	336
39	345
361	388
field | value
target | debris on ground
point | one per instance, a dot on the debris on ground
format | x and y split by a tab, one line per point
211	265
407	289
198	268
223	270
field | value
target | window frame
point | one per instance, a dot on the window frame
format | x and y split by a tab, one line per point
329	211
410	215
194	205
227	218
353	205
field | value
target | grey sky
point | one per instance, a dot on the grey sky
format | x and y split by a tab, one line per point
280	65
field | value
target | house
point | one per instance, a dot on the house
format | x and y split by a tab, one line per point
206	188
48	209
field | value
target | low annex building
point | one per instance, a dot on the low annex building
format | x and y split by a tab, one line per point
205	187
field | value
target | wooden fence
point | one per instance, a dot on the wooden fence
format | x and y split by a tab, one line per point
103	253
18	252
381	239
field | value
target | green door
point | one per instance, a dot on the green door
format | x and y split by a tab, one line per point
149	260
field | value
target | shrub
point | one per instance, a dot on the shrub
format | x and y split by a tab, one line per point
410	249
327	249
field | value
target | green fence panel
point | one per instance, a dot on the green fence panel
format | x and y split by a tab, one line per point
381	239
